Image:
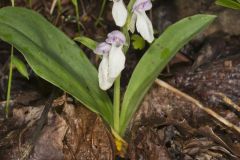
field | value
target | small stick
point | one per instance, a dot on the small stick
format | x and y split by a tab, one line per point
228	101
53	6
198	104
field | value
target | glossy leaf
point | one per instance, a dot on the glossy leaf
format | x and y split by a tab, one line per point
54	57
229	3
88	42
154	61
21	67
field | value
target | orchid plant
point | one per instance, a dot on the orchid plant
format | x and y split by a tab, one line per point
59	60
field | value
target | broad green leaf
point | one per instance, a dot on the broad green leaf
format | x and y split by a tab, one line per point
88	42
21	67
154	61
138	42
54	57
229	3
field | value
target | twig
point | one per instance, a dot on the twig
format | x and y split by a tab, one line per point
53	6
198	104
227	100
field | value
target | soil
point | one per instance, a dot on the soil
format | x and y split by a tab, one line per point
46	123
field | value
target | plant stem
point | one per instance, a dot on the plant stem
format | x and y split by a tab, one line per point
30	3
130	4
59	6
125	49
101	12
10	76
77	16
9	84
116	104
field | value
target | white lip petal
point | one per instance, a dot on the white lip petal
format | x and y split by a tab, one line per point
105	82
119	13
144	26
116	61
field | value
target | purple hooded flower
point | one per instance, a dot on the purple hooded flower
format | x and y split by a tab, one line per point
103	48
116	38
142	5
113	61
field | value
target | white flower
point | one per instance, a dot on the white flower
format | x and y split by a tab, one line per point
119	12
113	60
116	55
105	82
143	23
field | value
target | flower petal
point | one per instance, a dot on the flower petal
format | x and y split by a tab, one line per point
104	81
116	38
116	61
102	48
119	12
144	26
142	5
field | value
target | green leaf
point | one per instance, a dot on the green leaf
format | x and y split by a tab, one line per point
21	67
229	3
138	42
54	57
154	61
88	42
